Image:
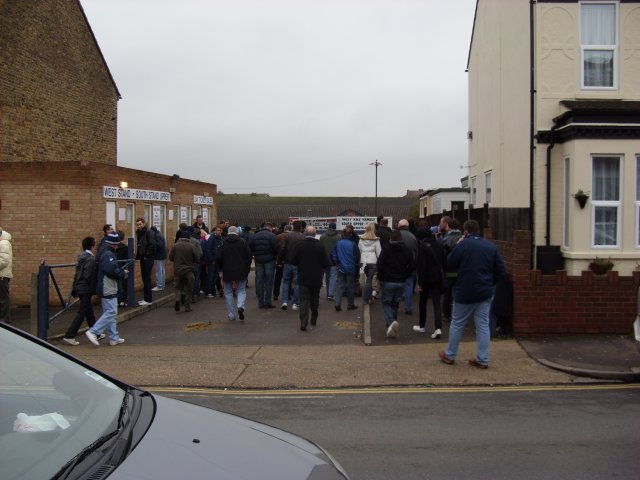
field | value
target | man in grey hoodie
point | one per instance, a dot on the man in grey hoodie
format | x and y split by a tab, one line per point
329	239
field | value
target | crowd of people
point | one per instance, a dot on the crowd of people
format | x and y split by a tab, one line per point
451	265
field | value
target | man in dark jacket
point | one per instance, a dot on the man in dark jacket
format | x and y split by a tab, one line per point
311	259
146	253
395	265
329	240
209	254
109	276
84	286
430	274
289	270
383	232
160	259
234	260
479	266
185	257
264	247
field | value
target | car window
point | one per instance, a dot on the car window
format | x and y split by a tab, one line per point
51	408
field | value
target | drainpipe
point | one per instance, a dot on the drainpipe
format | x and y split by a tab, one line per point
547	235
532	147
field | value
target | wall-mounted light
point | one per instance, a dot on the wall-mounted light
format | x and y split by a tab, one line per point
470	135
172	189
206	194
124	184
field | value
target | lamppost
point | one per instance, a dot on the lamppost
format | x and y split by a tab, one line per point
376	164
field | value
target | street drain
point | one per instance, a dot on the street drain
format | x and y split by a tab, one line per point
347	325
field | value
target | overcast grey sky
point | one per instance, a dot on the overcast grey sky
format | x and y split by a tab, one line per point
291	97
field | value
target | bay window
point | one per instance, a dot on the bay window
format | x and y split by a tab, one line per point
606	200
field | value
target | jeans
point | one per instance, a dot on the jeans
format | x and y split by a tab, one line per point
85	311
345	282
146	265
369	271
309	300
277	281
228	296
432	291
330	280
290	272
461	313
196	283
160	273
409	286
265	273
391	295
107	320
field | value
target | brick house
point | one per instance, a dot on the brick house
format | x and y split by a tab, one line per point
59	179
554	109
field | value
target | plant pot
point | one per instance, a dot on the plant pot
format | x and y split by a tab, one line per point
582	200
600	268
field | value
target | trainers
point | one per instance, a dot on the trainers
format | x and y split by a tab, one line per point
374	294
102	336
143	303
241	313
210	295
419	329
92	337
283	306
445	359
435	335
71	341
474	363
295	307
113	343
392	331
330	298
157	289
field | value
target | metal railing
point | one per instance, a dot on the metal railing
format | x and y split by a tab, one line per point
46	277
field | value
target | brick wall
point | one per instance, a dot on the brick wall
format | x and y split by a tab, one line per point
49	207
58	101
557	304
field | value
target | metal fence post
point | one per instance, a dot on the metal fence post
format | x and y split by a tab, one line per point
43	301
131	284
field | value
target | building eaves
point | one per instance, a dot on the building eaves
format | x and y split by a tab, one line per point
95	41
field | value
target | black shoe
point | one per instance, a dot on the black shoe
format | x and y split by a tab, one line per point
241	313
352	307
338	309
176	307
303	328
269	306
182	299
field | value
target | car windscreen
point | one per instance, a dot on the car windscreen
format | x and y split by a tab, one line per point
51	408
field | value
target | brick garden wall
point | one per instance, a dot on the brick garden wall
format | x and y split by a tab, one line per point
558	304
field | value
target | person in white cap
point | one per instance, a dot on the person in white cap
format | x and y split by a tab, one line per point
109	276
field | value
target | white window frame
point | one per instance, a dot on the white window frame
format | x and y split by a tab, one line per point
487	187
566	195
617	204
603	48
473	182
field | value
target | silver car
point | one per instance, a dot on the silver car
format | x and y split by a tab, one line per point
63	419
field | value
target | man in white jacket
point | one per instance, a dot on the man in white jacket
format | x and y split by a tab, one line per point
6	262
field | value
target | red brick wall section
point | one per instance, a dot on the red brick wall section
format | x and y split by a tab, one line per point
561	304
57	99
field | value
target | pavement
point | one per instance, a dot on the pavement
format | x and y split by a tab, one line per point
267	350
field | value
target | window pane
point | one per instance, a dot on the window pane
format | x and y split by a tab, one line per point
606	226
598	22
638	178
598	68
606	178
